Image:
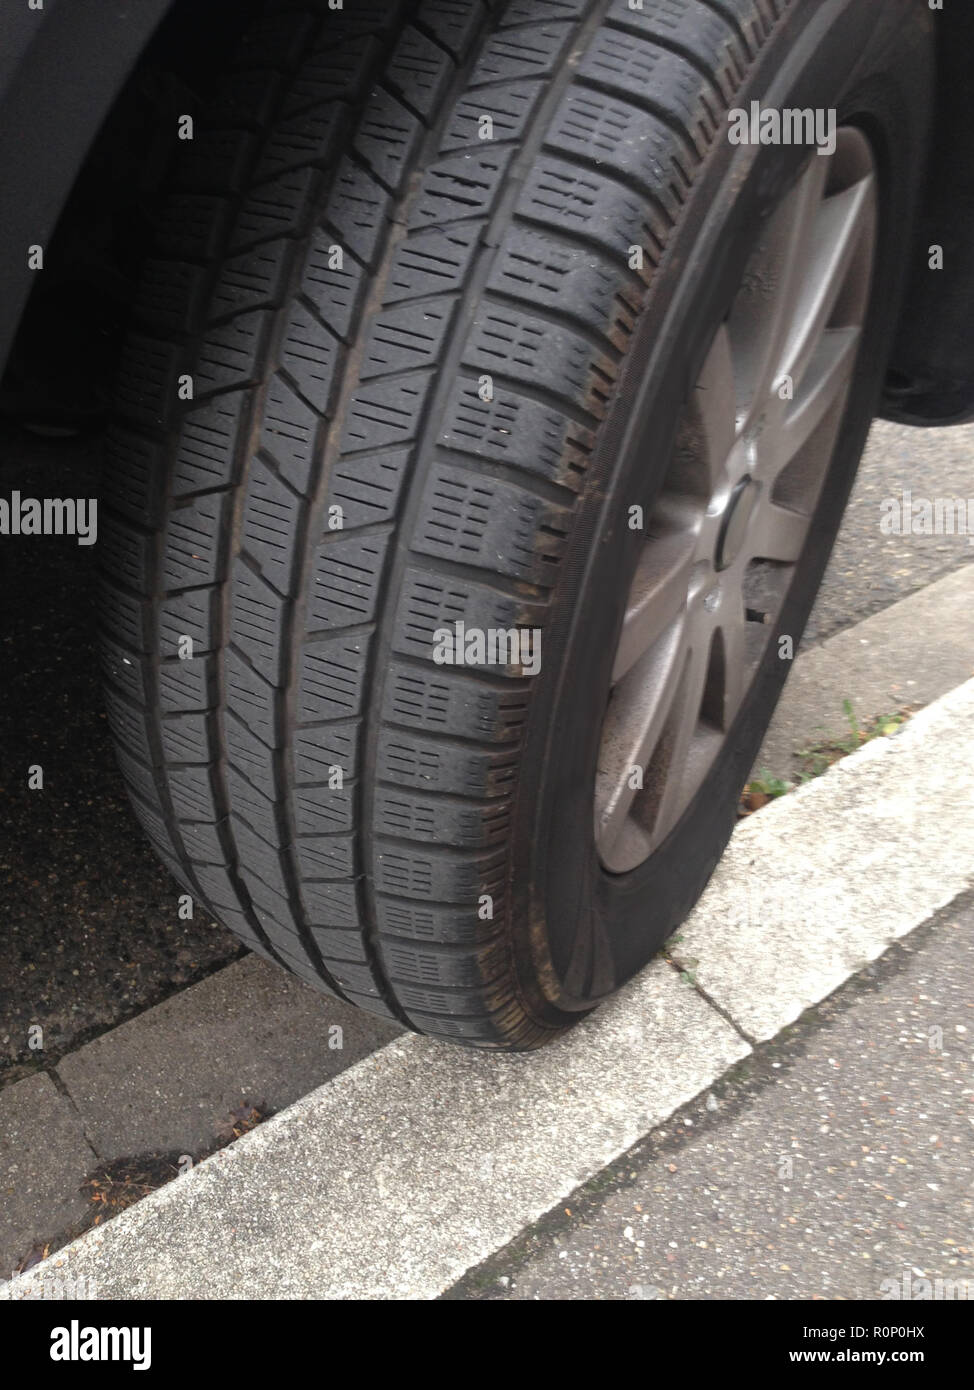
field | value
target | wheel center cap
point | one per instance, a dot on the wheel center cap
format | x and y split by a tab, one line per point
734	526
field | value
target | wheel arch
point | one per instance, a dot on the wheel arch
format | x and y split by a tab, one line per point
931	371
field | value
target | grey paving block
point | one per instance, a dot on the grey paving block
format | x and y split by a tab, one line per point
171	1078
43	1160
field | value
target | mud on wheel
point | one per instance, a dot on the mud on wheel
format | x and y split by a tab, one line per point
470	314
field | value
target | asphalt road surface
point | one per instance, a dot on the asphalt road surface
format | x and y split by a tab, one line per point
89	931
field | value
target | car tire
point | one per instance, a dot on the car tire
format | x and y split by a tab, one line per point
437	292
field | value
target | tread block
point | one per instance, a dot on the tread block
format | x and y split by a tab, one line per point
254	280
567	278
510	108
256	622
170	295
453	22
453	969
420	71
249	754
626	140
565	197
206	445
492	525
270	521
318	750
429	601
217	157
367	489
433	922
695	29
518	431
124	615
189	613
147	380
655	77
335	292
191	791
331	677
444	878
125	551
134	473
432	262
530	50
331	904
249	696
193	226
331	71
432	820
309	355
406	338
339	946
325	856
543	354
305	140
324	810
426	764
127	724
461	186
345	584
387	138
272	210
185	685
385	412
446	701
288	434
358	209
125	671
192	542
202	842
276	40
229	354
185	738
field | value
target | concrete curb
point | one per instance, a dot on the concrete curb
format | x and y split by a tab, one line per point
906	655
412	1166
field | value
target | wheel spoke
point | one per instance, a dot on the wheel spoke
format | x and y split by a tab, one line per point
829	373
716	402
688	757
634	722
777	533
735	664
657	598
837	237
762	320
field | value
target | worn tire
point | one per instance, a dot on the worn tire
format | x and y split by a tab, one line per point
357	388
